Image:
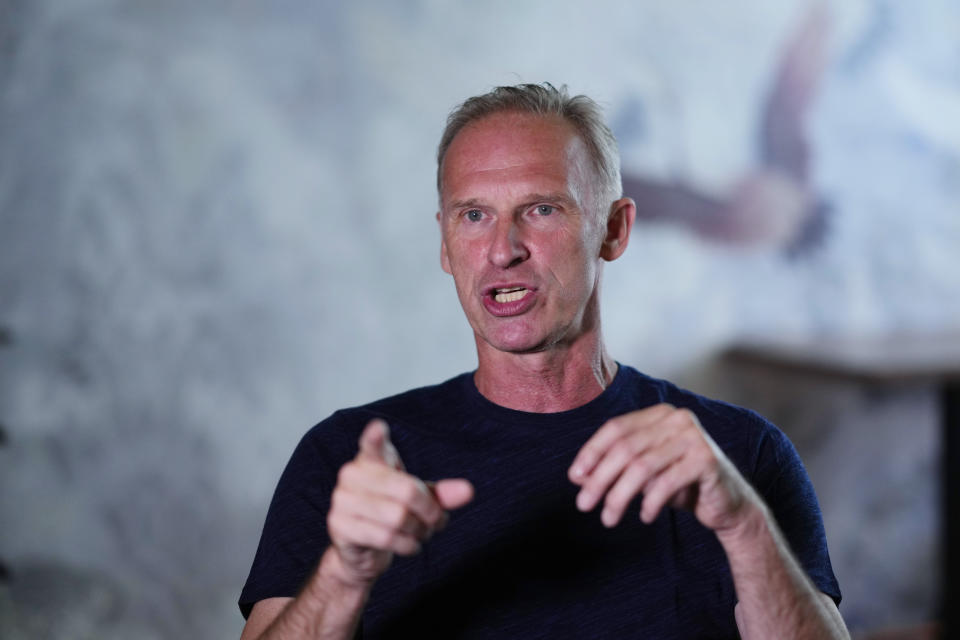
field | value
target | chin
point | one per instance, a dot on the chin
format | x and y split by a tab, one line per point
516	341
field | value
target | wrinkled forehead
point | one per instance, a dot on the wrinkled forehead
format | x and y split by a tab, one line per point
511	143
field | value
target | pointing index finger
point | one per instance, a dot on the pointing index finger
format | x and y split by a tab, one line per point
375	445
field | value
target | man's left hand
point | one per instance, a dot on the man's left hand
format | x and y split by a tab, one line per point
663	453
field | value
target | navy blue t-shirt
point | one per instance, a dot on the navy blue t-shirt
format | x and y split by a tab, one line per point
521	560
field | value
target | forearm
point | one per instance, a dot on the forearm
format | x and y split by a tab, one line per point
328	607
776	598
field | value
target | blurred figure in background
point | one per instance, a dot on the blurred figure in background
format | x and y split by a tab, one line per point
774	205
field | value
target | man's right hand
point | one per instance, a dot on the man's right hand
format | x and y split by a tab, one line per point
377	509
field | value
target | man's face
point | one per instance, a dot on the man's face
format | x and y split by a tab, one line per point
521	234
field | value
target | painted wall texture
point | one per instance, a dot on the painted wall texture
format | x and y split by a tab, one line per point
216	228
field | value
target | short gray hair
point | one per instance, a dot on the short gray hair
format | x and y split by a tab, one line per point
544	99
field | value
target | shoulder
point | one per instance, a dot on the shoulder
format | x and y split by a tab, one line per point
420	403
403	411
717	413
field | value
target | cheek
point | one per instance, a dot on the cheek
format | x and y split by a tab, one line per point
463	267
562	246
575	281
571	256
458	253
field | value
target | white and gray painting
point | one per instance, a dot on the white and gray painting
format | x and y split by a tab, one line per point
216	228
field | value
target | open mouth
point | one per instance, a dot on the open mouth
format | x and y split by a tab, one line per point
509	294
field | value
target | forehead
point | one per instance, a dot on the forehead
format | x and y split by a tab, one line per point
512	146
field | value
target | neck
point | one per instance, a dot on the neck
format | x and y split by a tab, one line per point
557	379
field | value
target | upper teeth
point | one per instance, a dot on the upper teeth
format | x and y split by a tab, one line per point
510	294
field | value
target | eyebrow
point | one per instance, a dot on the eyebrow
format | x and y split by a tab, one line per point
462	204
558	196
529	199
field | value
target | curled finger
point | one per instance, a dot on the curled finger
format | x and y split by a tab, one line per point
362	476
681	475
348	529
606	436
637	474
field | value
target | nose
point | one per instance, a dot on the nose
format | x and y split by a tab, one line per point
507	247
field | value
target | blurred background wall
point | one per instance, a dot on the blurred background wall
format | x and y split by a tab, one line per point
216	228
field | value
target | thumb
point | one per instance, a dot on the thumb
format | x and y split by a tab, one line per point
453	493
375	445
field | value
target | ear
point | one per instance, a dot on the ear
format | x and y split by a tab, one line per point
619	223
444	259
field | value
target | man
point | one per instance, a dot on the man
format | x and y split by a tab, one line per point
470	515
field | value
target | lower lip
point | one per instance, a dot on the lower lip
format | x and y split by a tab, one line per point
502	309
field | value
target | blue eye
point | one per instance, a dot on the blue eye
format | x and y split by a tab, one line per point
545	209
474	215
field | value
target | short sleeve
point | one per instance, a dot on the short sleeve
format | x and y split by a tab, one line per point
786	488
294	533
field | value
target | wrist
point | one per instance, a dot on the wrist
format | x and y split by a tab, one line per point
333	574
752	525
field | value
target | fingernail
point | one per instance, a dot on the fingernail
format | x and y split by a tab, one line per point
577	471
380	425
583	501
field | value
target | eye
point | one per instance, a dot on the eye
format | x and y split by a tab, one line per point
473	215
545	209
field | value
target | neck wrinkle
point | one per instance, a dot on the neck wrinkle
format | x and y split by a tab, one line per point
545	382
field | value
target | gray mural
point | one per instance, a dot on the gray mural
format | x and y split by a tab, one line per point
216	228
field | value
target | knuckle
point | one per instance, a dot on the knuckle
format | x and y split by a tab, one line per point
637	444
698	449
407	546
710	459
658	411
336	499
640	468
396	515
589	452
620	426
384	539
409	492
614	423
679	419
432	516
611	430
620	454
336	527
349	473
691	444
654	488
